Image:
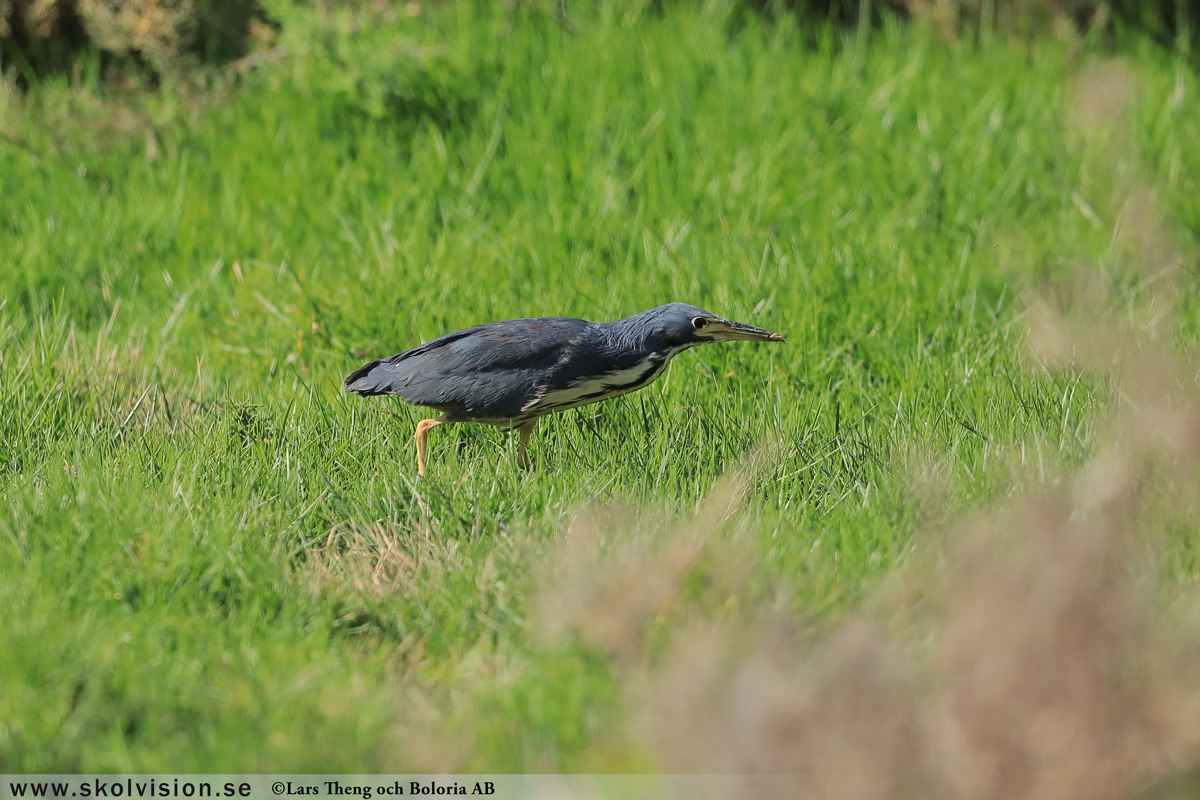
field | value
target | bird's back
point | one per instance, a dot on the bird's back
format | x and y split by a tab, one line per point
489	372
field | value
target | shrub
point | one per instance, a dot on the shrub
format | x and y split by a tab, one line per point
164	36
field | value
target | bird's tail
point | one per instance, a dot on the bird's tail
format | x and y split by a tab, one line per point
368	380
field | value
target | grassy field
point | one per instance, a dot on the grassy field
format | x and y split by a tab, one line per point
213	559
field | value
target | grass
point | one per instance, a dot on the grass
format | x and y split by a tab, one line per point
215	560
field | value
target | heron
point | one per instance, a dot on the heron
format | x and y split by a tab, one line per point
511	374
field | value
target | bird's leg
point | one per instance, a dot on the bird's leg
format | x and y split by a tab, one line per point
525	431
422	445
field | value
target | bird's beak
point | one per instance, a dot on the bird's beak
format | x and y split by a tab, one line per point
723	330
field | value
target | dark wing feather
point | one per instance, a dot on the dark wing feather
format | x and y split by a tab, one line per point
489	371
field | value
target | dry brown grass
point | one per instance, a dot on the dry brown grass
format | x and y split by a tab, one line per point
376	559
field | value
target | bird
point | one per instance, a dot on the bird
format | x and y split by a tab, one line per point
510	374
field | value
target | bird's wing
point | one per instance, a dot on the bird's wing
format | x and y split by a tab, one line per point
490	371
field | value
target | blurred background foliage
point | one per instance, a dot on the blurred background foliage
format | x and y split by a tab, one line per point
170	39
165	37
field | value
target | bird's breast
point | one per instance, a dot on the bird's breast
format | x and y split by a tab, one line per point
602	385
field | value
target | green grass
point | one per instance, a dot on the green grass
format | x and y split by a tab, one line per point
179	467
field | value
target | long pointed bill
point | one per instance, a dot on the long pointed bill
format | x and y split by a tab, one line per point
724	330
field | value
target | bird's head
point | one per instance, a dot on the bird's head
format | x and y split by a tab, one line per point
688	325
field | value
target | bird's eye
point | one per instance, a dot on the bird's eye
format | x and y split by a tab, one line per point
699	322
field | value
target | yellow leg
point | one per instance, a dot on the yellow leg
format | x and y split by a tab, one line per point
422	445
525	431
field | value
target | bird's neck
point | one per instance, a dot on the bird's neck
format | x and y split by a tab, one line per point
627	346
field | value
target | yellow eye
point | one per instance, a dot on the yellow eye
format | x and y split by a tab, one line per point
699	322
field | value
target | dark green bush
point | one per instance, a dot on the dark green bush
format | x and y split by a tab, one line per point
171	37
167	37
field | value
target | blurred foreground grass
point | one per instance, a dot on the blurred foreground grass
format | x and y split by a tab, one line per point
214	560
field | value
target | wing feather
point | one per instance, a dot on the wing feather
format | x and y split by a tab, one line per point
488	371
